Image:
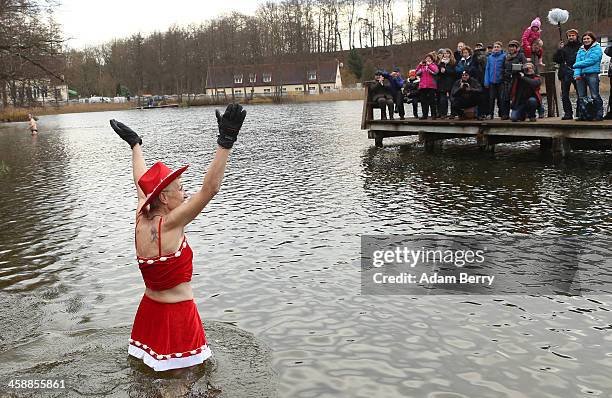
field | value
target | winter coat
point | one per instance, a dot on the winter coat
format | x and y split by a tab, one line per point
411	87
480	56
475	87
608	52
471	66
518	58
566	58
457	55
378	90
447	78
427	74
588	61
525	87
494	71
529	36
396	82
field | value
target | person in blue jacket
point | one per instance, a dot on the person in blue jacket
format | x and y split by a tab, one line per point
494	78
586	71
395	77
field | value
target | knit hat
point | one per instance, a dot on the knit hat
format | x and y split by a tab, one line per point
574	31
412	73
514	43
396	69
536	22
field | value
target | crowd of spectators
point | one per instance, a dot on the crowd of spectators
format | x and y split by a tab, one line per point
477	81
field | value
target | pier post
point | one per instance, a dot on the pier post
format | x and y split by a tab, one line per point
428	139
545	144
487	143
378	140
560	147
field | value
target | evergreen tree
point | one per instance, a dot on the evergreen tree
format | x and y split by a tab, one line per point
355	63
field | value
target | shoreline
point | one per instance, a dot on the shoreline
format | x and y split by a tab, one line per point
11	114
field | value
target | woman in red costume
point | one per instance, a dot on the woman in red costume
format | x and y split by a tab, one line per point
167	332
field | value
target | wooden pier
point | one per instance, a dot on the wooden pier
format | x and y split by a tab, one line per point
555	135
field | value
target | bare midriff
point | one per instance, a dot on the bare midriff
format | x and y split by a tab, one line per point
180	292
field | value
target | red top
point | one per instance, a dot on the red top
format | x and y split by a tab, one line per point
168	270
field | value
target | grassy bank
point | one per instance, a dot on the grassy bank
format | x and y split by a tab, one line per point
345	95
11	114
21	114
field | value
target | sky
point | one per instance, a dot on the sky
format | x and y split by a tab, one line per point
93	22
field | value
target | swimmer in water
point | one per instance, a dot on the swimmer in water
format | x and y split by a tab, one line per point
33	126
167	332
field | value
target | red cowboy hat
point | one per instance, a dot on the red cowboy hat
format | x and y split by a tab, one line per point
158	177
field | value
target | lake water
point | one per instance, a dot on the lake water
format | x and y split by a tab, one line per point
277	259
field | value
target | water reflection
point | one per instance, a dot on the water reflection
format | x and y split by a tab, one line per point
518	192
277	254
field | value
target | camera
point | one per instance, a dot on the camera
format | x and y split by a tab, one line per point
517	67
465	85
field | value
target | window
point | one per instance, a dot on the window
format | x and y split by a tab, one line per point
312	75
238	79
266	90
284	88
298	89
267	77
252	78
238	91
312	88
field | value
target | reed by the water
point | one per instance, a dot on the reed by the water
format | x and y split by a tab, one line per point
12	114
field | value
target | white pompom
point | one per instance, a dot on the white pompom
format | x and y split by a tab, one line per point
557	16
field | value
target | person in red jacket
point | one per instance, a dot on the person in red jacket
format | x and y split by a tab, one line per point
526	94
533	32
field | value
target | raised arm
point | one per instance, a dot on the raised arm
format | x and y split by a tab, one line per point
138	168
229	126
138	163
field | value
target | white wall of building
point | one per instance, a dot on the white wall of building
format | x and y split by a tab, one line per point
290	89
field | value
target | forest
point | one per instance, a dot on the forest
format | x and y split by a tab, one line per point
376	33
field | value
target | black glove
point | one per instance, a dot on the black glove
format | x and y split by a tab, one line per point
127	134
229	125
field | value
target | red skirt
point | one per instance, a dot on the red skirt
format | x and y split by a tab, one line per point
168	336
